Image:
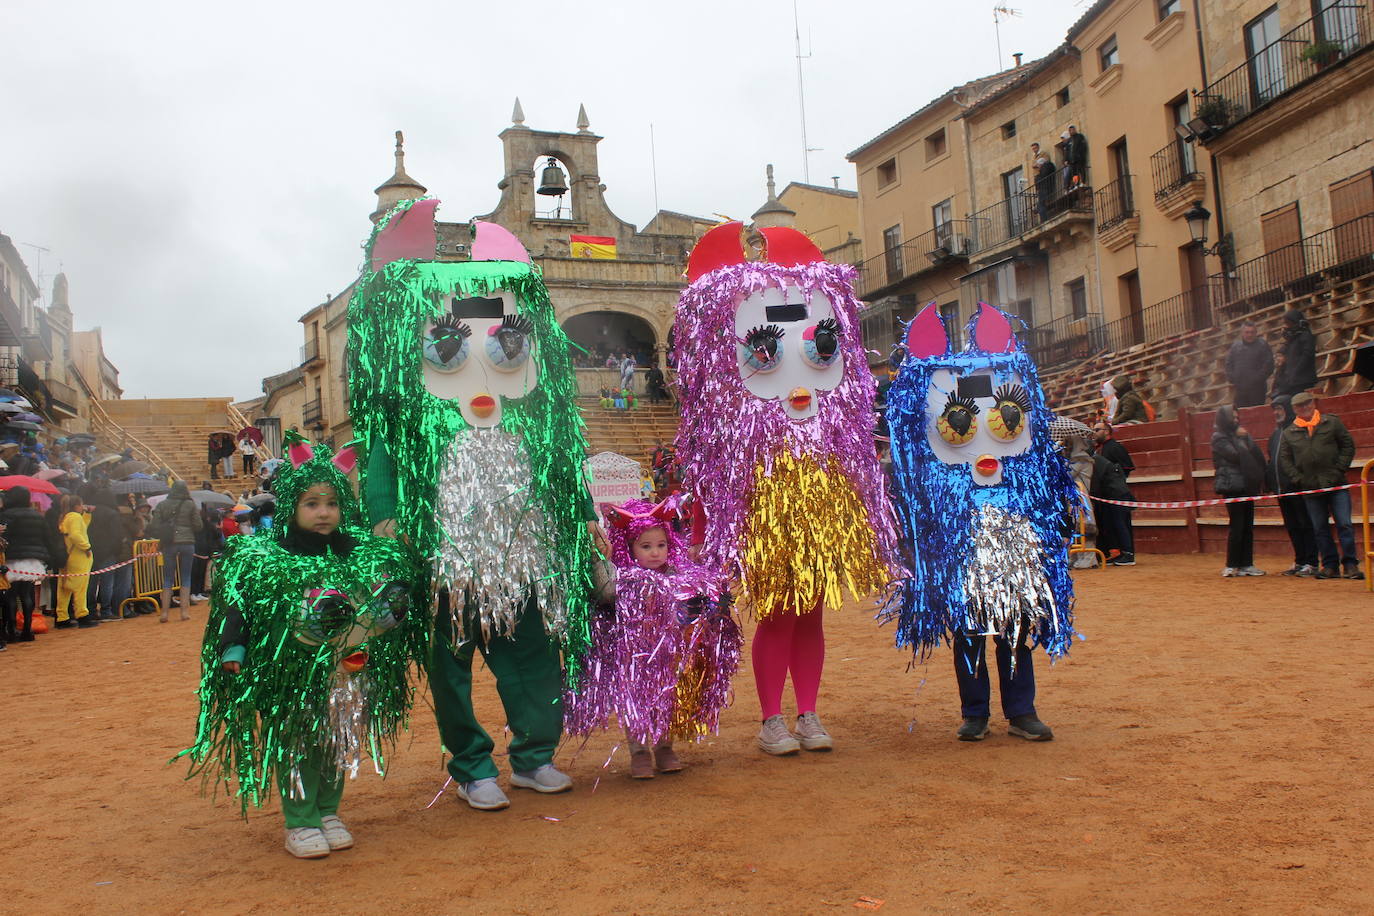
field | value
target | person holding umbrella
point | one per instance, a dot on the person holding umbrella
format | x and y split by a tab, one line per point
27	559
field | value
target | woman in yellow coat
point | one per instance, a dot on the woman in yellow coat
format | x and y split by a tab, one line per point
76	574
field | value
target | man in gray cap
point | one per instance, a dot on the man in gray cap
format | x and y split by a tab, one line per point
1316	452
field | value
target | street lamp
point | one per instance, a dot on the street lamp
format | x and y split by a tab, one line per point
1197	216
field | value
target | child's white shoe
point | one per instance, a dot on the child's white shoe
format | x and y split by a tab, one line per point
306	842
335	833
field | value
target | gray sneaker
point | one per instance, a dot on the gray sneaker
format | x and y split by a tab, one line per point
1251	571
811	734
306	842
335	833
546	779
1306	571
775	739
483	794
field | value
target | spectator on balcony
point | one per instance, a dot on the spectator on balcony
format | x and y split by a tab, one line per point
1295	518
1075	157
1249	363
1297	362
1315	452
1239	468
1130	405
1044	170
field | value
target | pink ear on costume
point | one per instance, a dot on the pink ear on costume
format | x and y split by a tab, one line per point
299	453
618	516
991	330
410	235
346	460
664	511
491	242
926	336
788	248
719	247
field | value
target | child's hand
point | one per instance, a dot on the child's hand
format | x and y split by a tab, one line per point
231	667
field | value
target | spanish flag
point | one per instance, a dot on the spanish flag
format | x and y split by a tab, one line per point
592	246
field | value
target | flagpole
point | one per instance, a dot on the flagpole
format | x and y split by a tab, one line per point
653	164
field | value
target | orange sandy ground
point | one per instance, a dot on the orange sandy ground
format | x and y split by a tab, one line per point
1211	755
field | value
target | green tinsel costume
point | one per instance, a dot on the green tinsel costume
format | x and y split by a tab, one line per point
326	638
499	510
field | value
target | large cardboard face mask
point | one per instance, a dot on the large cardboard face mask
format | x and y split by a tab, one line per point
479	351
789	348
978	420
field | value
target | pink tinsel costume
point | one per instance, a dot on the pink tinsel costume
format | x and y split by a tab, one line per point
662	659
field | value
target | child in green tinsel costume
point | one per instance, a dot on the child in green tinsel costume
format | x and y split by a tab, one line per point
307	653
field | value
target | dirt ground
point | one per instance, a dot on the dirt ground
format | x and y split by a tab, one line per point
1210	756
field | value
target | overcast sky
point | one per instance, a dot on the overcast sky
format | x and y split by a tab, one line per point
203	172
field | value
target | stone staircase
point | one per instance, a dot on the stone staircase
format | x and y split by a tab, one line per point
632	433
174	432
1188	370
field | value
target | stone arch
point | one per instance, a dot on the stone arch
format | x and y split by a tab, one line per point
602	329
573	206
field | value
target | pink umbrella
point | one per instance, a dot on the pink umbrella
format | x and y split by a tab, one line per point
50	474
41	500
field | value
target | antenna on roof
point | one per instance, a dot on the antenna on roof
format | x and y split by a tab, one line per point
801	93
1000	12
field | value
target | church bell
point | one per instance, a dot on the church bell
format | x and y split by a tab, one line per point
553	183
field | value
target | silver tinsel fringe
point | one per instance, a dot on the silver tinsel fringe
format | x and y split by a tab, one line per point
1005	583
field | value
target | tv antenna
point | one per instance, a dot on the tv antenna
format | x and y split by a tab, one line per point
1000	12
38	264
807	149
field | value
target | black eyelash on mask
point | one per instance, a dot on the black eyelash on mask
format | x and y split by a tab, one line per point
453	326
764	333
955	401
1017	394
517	323
828	326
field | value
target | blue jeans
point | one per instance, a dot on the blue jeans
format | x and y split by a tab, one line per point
177	557
975	687
1336	506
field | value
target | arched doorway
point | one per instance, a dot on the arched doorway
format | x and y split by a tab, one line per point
602	335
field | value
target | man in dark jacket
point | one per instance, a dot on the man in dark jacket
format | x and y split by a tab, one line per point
1316	452
1297	363
1076	156
27	558
1114	535
110	545
1295	519
1249	363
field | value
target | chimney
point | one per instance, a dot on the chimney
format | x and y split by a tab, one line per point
836	179
1016	55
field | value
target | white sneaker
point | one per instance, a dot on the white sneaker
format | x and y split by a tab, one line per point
483	794
811	734
335	833
1250	571
775	739
306	842
1230	572
547	779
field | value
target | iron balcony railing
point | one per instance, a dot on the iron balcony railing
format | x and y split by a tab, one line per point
947	242
1013	217
1173	168
1337	32
1114	204
1191	310
312	414
310	351
1066	339
1339	253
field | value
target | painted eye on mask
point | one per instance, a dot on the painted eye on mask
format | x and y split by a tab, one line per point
958	422
763	348
446	344
1008	417
821	343
508	343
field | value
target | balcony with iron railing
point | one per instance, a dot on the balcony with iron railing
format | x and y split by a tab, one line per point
312	414
1029	214
310	352
934	248
1338	32
1174	169
1114	204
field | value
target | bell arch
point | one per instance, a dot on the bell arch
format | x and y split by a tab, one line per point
552	166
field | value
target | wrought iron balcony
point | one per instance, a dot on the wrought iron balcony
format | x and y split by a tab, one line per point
1337	32
1114	204
312	414
310	352
1174	168
951	241
1337	254
1025	213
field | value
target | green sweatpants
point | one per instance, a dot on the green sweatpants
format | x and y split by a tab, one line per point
529	679
323	785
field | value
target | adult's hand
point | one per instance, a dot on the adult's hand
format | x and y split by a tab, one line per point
386	528
231	667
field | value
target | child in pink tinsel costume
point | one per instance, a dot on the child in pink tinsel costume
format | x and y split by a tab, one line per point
663	657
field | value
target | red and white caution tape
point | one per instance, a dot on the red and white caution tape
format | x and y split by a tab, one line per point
1220	500
30	577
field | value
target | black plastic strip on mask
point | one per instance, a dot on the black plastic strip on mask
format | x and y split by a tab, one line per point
478	308
975	386
785	312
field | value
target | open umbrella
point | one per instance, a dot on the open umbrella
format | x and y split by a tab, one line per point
138	484
105	459
81	438
50	474
35	484
125	468
25	425
27	417
251	433
211	498
261	498
11	407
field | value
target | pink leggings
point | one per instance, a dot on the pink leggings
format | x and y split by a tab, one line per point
786	642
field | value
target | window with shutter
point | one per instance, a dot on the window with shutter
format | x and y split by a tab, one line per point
1352	215
1282	230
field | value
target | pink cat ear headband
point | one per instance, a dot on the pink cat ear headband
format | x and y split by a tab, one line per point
663	512
298	453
